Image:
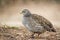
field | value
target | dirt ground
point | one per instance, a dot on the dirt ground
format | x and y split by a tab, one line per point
14	33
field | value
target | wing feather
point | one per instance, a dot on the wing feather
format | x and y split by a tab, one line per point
43	22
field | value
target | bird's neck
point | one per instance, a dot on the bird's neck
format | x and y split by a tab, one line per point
27	15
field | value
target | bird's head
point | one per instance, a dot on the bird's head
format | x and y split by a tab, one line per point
25	12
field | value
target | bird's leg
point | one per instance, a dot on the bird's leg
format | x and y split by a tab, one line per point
38	34
32	36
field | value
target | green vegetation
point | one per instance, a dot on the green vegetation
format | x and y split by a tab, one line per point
57	1
8	2
11	27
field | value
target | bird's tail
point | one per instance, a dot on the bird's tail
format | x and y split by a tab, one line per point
53	30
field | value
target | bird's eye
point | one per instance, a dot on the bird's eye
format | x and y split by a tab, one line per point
23	11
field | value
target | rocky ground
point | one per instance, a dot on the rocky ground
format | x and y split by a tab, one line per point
14	33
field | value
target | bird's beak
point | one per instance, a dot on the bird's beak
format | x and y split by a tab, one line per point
20	12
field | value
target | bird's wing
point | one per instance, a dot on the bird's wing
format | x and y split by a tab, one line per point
43	22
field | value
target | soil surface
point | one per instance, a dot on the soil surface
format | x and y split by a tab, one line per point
12	33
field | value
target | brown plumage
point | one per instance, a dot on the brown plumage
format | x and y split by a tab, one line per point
43	22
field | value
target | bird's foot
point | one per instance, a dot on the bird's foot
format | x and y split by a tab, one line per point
32	37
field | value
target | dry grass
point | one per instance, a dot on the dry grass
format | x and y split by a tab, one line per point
14	33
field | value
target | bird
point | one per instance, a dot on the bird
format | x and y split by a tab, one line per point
36	23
